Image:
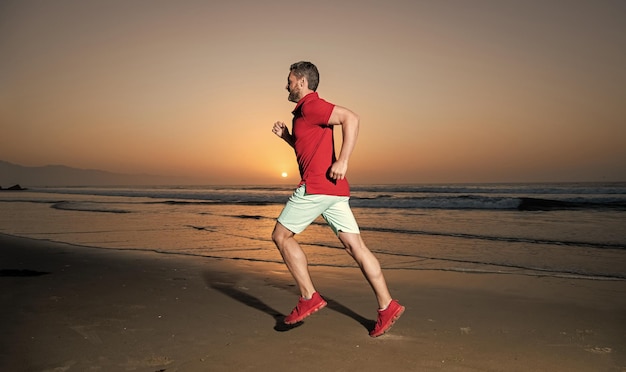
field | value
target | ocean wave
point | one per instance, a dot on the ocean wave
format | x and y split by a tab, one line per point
522	197
586	188
87	207
488	203
536	204
437	202
469	202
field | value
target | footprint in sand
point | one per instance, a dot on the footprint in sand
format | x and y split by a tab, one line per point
599	350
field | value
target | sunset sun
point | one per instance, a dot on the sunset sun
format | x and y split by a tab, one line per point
284	175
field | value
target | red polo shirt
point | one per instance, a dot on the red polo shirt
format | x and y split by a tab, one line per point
314	145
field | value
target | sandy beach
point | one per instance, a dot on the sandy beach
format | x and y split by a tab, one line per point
71	308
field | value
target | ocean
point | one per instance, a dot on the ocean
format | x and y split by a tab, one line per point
573	230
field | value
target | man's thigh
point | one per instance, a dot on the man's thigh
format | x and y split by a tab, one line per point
340	218
301	210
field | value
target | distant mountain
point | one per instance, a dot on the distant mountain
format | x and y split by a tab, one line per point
60	175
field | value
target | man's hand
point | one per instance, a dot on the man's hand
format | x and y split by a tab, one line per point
338	170
280	129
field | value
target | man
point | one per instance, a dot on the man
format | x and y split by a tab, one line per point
323	190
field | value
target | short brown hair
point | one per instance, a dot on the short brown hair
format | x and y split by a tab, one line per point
308	70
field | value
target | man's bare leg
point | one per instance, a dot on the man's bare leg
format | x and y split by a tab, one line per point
369	266
294	258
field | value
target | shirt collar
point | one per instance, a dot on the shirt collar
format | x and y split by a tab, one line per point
308	97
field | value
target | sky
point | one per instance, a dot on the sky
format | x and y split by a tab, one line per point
450	91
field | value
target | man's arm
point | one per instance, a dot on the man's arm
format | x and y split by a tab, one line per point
349	122
280	129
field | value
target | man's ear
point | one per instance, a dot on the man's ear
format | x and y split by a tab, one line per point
304	83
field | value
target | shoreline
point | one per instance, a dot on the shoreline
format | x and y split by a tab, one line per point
523	271
76	309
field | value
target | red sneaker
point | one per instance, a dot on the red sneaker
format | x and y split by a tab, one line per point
386	318
305	308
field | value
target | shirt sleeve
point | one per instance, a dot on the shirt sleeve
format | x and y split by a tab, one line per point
317	112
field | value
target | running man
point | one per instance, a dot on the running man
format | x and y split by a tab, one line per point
323	190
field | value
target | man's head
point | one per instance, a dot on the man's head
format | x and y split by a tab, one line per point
303	79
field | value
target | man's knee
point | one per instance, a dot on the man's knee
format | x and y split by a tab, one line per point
280	234
353	243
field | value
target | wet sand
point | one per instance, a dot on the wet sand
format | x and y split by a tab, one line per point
71	308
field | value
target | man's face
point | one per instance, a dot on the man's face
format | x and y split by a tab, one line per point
294	88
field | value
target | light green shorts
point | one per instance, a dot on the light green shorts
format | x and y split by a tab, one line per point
302	209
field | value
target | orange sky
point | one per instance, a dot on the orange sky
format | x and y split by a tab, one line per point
447	91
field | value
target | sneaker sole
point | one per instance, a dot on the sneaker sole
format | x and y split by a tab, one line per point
393	320
311	312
